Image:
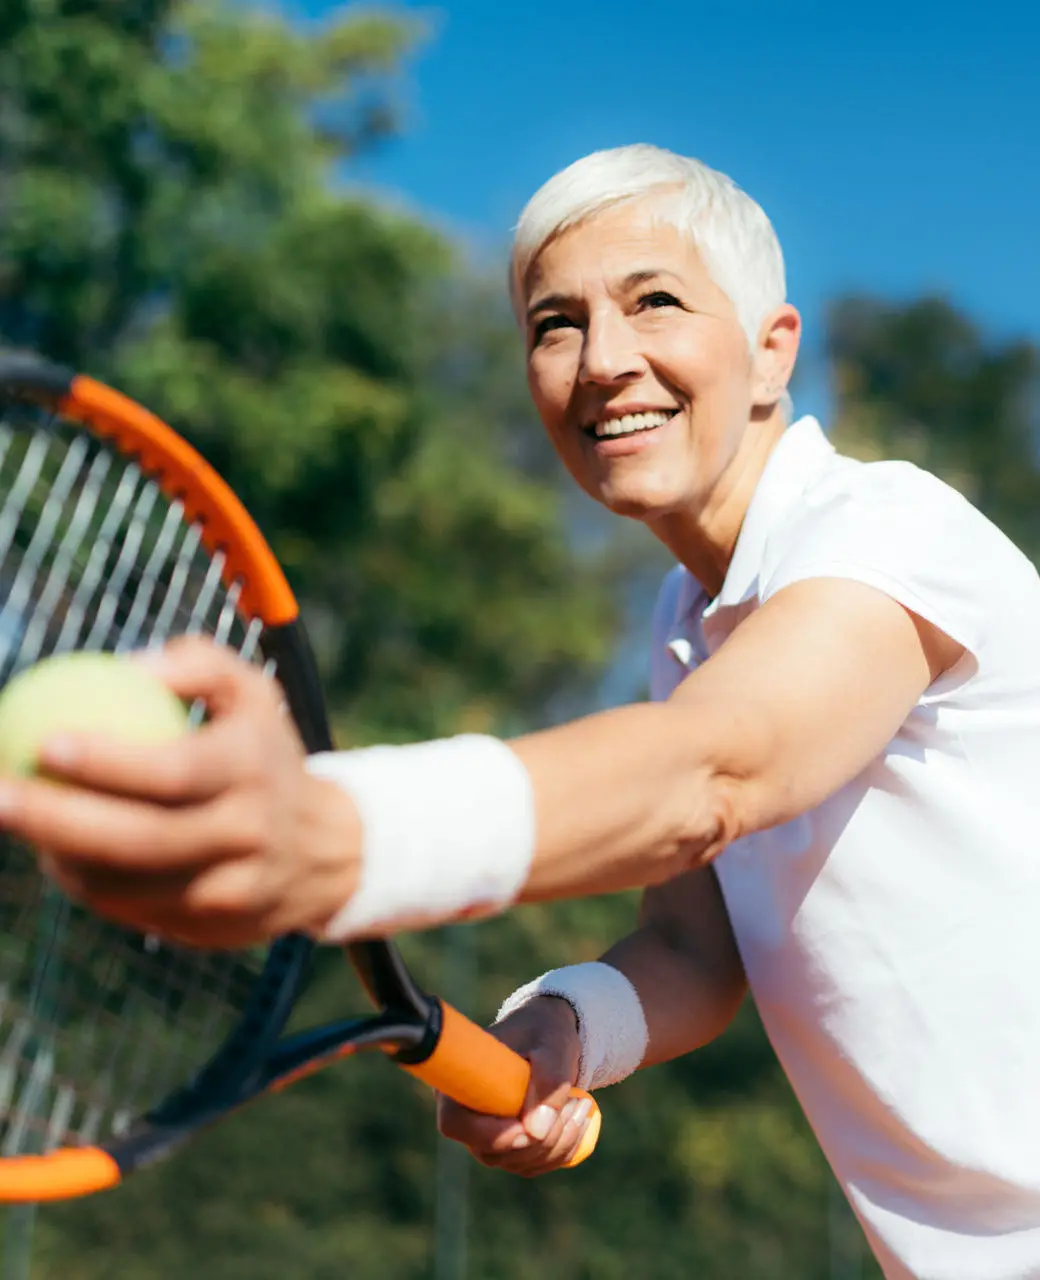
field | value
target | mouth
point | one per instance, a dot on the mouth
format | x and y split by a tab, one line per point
628	424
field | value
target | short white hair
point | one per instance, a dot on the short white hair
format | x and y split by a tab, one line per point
731	232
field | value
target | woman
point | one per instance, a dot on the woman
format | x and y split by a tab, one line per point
831	796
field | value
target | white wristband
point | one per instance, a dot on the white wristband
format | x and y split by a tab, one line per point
611	1025
448	832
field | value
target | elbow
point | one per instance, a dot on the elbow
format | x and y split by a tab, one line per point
707	817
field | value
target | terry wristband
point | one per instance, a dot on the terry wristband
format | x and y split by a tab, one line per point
448	832
611	1025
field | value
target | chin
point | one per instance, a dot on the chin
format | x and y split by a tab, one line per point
646	503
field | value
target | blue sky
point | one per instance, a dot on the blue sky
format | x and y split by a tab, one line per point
895	146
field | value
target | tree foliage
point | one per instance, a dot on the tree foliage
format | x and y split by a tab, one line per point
173	218
920	381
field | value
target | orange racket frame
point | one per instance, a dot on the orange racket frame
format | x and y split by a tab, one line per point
426	1037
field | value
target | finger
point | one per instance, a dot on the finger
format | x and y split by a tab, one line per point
197	667
78	825
575	1119
486	1135
193	768
106	889
165	909
557	1149
547	1135
547	1094
493	1136
231	888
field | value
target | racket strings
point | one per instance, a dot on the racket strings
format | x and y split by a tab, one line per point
97	1023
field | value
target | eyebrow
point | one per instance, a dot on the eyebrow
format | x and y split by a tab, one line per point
647	274
557	301
551	302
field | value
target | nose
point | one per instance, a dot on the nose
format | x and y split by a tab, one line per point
610	352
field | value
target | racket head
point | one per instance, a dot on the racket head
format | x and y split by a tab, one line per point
115	534
114	1047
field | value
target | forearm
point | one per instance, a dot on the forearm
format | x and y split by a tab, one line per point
465	826
636	796
686	1002
663	991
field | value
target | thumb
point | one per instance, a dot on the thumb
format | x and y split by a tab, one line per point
547	1092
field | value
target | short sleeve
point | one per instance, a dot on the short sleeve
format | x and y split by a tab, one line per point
897	528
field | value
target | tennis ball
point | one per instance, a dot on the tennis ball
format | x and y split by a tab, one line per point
84	693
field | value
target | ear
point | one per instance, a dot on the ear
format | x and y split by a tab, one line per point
777	350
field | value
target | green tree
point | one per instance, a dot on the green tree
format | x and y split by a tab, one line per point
171	221
172	218
920	381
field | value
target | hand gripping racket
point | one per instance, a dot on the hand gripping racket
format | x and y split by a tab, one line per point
116	1048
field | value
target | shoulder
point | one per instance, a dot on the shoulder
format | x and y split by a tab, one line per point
888	513
897	489
905	532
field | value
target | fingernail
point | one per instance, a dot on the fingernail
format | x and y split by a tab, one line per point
521	1141
581	1111
540	1121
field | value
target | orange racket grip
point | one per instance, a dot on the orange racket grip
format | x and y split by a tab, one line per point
474	1069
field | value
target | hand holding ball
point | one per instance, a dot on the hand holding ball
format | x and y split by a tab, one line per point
84	693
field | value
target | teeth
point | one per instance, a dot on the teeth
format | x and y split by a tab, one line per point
631	422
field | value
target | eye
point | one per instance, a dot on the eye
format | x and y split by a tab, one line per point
659	298
548	323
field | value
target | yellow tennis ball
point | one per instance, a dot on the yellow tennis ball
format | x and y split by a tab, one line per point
84	693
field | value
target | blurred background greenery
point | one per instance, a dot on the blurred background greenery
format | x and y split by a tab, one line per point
172	219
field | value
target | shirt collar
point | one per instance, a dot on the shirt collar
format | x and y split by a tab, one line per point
797	458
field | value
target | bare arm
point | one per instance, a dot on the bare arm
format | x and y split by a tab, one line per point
683	962
638	795
244	844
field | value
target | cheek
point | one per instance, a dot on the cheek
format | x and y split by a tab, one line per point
551	387
718	369
716	378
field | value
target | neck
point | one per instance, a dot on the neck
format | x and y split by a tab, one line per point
704	539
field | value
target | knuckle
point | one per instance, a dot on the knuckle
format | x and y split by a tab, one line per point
227	890
248	828
249	746
176	772
153	835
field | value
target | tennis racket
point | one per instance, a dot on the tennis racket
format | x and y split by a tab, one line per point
116	1048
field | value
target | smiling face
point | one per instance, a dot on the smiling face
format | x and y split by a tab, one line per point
641	371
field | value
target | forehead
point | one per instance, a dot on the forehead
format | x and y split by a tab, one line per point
628	239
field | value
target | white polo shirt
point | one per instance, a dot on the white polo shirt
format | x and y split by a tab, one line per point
891	936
